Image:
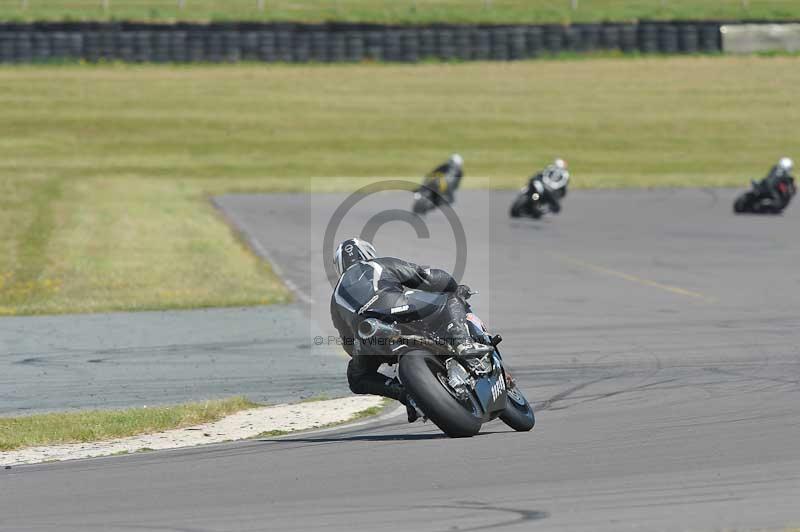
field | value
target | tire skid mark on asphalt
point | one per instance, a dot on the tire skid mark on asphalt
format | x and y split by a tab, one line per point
751	322
752	377
161	349
606	395
725	378
547	404
522	516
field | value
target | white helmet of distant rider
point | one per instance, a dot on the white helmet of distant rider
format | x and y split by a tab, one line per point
457	161
556	176
786	164
350	252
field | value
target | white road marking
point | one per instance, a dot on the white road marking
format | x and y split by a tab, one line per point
241	227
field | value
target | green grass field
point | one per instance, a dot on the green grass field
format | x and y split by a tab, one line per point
99	425
394	12
105	171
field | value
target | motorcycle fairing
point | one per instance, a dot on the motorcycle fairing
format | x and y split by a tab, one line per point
491	390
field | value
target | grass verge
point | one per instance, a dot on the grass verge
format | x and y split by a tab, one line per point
125	243
105	171
99	425
394	12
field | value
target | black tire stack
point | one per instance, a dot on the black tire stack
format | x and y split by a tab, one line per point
668	39
590	37
648	38
282	42
482	44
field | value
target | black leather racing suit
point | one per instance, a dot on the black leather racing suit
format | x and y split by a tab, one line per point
778	186
551	197
405	291
445	180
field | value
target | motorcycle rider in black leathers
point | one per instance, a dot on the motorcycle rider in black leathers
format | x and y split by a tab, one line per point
555	178
408	292
446	178
779	185
544	189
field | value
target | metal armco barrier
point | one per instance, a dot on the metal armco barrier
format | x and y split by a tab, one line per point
752	38
300	43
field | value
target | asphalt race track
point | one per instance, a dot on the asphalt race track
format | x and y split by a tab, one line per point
130	359
656	332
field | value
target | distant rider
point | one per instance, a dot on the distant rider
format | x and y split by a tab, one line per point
554	180
372	286
779	185
446	178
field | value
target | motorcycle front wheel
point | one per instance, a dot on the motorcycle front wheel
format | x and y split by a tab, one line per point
422	205
425	379
743	203
518	413
518	207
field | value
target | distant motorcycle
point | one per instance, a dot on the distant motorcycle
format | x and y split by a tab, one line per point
536	199
425	199
758	200
543	193
439	187
458	394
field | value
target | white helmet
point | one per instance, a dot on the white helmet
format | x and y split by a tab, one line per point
786	164
351	251
556	175
456	160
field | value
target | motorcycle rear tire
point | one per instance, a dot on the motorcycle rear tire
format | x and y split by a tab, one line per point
418	371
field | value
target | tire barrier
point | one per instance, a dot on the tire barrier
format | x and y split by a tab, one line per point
668	39
554	39
590	38
464	50
482	45
534	37
648	38
710	38
688	39
331	43
610	38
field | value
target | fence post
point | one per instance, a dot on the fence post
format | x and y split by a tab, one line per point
574	4
181	4
106	5
260	5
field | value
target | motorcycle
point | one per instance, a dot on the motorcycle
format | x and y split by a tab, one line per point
757	201
459	394
431	194
424	200
536	199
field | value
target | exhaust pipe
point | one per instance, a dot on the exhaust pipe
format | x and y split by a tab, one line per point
374	328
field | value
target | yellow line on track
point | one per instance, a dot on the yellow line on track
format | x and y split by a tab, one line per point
634	279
